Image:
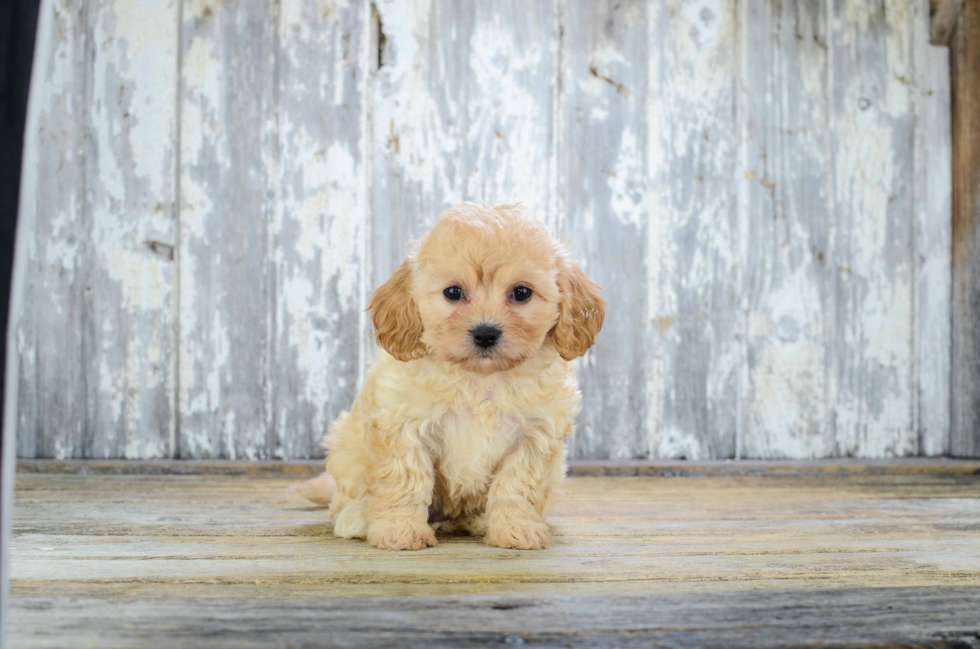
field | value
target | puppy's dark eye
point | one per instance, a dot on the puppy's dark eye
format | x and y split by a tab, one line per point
521	294
453	293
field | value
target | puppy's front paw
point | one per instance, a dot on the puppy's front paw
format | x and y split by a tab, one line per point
523	536
401	538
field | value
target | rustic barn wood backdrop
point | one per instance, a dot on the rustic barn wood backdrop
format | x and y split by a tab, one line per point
762	186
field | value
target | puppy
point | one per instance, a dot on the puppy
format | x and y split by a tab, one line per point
461	425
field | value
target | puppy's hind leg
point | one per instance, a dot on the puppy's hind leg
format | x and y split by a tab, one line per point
349	514
350	522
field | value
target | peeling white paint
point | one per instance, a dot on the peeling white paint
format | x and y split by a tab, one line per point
933	236
628	194
676	444
691	152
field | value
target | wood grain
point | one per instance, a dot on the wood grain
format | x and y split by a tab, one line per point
52	340
228	161
692	151
678	621
841	559
319	229
786	218
870	250
965	73
130	195
603	193
933	237
878	618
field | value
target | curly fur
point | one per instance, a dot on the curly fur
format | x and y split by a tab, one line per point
448	436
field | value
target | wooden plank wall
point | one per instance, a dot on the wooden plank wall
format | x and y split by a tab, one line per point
763	188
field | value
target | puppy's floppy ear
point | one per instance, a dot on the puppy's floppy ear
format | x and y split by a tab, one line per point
580	312
397	321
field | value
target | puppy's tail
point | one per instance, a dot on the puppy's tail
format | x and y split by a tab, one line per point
319	489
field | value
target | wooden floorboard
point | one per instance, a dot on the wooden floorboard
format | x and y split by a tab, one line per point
845	556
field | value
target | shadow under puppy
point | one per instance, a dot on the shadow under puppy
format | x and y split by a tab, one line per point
461	425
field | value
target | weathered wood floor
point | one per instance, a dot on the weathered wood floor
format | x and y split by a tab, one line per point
793	556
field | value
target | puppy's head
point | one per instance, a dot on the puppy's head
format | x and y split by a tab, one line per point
486	290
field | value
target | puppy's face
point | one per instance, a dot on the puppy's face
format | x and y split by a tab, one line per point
486	291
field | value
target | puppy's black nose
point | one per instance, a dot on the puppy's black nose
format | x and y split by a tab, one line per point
485	336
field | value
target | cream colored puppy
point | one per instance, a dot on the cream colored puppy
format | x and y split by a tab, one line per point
461	425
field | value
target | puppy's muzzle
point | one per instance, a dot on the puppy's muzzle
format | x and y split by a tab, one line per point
485	336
